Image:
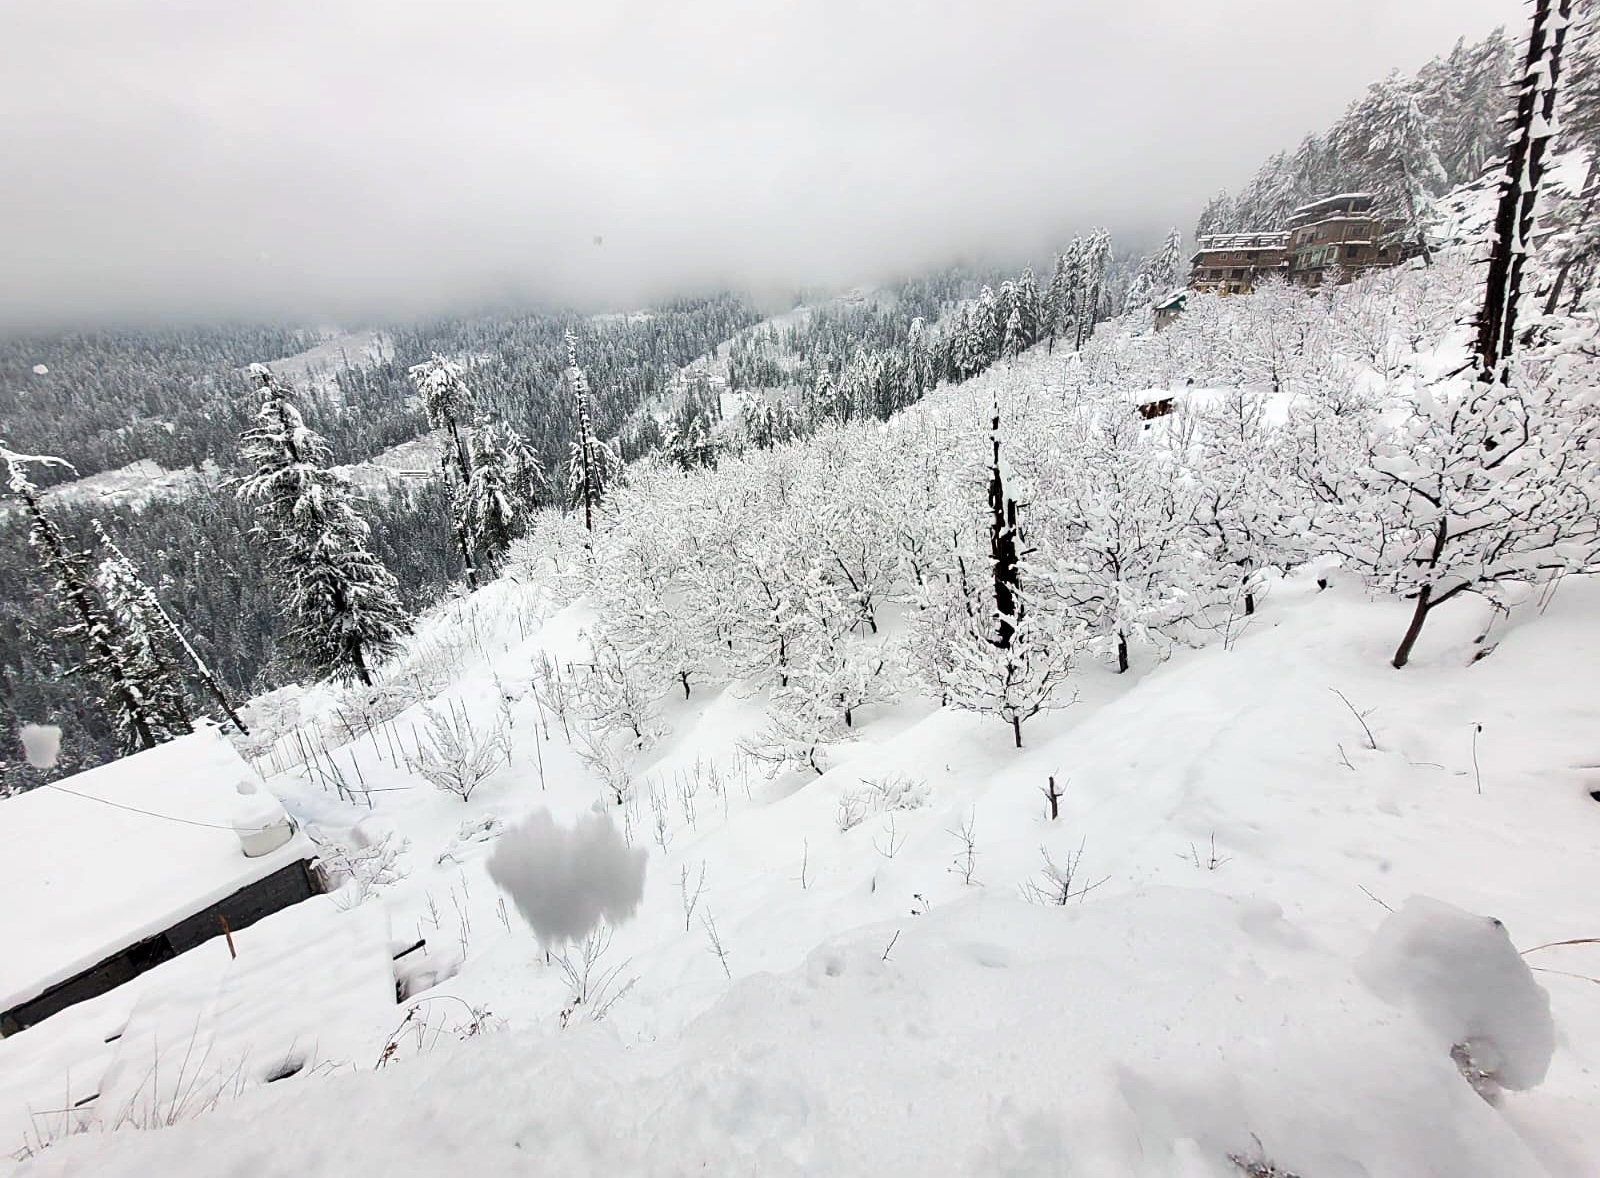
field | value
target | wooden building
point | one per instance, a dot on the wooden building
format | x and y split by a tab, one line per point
1231	263
1168	309
1342	235
111	872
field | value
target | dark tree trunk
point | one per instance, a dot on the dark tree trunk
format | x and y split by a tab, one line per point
683	677
1402	654
1249	603
77	594
1016	729
1122	653
1513	222
1003	546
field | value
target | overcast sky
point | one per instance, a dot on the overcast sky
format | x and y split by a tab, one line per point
336	158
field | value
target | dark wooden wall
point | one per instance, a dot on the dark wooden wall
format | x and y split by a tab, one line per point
288	885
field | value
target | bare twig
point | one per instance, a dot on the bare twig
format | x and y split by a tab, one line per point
1375	899
1361	717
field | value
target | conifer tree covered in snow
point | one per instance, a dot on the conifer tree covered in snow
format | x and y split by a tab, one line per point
592	464
146	638
506	478
120	582
447	399
339	603
1400	155
1055	309
134	684
1094	260
1167	268
996	651
1015	339
1026	305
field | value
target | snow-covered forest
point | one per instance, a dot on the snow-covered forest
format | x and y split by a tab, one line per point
1024	717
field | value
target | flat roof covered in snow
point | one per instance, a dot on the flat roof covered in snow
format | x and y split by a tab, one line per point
96	862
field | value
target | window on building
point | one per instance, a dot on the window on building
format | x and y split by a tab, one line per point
1238	273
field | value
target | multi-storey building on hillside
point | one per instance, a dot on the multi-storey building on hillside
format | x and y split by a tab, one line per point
1231	263
1338	235
1342	234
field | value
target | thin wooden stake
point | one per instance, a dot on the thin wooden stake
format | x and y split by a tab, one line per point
228	932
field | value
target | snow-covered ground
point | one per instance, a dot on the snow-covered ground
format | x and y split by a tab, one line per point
883	1012
135	485
316	368
1319	912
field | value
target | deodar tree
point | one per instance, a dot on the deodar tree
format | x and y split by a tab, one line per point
447	399
340	605
994	650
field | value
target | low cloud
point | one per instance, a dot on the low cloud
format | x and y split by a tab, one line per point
344	159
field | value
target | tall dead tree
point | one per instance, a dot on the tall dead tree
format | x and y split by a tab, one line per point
104	657
158	613
1532	128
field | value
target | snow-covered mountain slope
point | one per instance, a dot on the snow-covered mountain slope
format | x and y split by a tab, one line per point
882	1014
860	969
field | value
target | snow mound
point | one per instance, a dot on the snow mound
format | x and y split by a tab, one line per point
1157	1034
1468	986
565	881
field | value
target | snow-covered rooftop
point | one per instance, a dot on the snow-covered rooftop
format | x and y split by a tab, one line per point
95	862
1266	239
1335	198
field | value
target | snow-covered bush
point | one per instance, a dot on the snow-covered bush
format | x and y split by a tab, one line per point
566	880
455	756
877	795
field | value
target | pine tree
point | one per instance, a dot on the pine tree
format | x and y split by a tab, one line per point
143	721
146	652
495	509
1402	158
592	463
122	570
1581	87
1219	216
972	353
1027	305
993	654
921	368
341	605
1004	300
1096	256
446	399
987	326
1015	342
1166	268
1055	303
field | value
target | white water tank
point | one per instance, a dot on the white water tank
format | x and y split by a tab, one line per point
260	820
